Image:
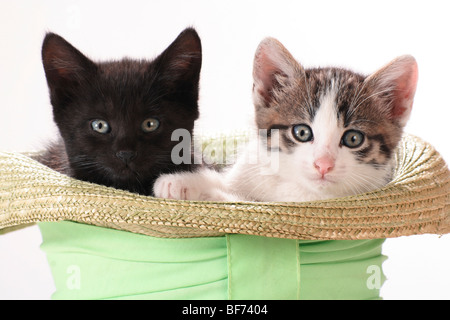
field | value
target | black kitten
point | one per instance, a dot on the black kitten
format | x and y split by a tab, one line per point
116	118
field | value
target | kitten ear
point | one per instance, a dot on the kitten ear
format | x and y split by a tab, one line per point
273	68
64	65
181	62
398	79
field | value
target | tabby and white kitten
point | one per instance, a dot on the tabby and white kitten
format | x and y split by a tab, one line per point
336	133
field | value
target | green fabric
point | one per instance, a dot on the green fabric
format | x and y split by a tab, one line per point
269	267
341	269
90	262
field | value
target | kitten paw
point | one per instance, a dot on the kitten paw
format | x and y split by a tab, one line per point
176	187
191	186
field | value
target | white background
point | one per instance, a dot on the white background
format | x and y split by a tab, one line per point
360	35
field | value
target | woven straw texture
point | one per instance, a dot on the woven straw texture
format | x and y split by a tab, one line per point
417	201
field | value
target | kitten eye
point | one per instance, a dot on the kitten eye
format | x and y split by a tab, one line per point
100	126
352	139
150	125
302	133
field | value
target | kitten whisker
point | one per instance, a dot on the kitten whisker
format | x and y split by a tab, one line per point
355	100
256	187
372	95
367	182
255	170
157	98
308	91
356	186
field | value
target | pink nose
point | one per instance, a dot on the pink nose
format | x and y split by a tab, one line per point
324	165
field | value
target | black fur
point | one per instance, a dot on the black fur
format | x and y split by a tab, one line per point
123	93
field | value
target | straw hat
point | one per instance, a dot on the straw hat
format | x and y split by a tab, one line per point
417	201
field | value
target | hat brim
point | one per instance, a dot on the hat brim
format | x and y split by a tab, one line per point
416	201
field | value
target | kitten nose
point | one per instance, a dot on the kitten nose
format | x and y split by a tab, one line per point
126	156
324	165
